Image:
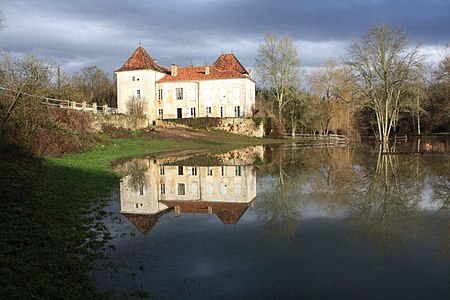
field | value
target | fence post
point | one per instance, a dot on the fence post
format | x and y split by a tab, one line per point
94	108
83	105
74	104
105	109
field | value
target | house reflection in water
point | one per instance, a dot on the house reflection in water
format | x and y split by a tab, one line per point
225	189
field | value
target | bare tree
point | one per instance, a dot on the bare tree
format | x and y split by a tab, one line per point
323	80
135	106
294	111
335	98
95	85
416	101
20	78
383	64
438	106
277	65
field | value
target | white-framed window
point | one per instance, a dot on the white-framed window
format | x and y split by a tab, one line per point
193	112
209	171
192	171
222	170
191	95
237	188
237	111
209	188
194	188
141	191
138	94
160	113
162	188
221	111
133	78
160	94
179	93
180	170
181	189
236	93
223	188
208	93
208	111
161	170
238	171
222	94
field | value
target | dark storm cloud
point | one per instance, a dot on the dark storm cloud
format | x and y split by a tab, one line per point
104	33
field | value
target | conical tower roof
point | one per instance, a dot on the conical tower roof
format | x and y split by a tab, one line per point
229	62
143	222
141	60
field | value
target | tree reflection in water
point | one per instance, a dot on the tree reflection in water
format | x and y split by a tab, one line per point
386	205
439	181
135	169
279	207
387	198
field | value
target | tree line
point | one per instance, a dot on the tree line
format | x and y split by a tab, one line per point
381	87
39	129
34	75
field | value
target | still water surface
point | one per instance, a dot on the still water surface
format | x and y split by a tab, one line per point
298	221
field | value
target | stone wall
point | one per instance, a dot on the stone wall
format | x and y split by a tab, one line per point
242	126
120	121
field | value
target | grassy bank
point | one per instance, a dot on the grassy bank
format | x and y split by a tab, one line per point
50	212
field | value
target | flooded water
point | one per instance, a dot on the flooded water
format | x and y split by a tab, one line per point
297	221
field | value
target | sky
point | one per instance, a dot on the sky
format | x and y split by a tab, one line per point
104	33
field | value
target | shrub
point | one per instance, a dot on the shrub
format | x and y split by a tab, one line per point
135	106
48	131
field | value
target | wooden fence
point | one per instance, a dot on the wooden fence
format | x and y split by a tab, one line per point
326	139
83	106
67	104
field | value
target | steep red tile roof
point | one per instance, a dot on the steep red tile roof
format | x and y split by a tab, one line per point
145	223
199	73
229	62
228	213
141	60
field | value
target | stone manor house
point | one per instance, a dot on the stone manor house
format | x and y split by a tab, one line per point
223	89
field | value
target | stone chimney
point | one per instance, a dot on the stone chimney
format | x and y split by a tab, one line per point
206	70
250	73
173	70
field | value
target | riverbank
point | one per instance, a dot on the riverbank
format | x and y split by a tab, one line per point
51	208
